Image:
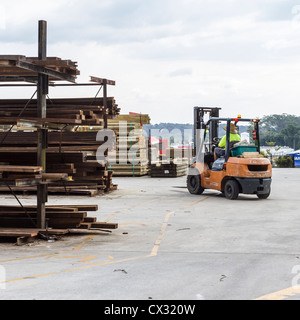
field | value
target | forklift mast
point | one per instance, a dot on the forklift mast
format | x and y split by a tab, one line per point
200	123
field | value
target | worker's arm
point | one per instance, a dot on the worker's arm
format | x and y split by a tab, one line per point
222	143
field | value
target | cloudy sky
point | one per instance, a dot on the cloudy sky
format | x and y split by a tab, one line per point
168	56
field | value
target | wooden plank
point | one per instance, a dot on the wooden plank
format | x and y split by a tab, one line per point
50	215
25	169
29	232
63	209
18	232
104	225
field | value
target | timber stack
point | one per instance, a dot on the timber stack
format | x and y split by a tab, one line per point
33	135
130	155
69	217
21	222
69	150
176	166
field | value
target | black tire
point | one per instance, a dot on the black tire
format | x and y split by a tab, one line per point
194	182
264	196
231	190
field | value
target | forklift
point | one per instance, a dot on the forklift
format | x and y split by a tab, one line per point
242	169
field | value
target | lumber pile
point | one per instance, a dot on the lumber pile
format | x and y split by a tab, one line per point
16	67
80	173
58	217
70	151
168	170
174	164
76	111
21	176
130	156
67	156
65	141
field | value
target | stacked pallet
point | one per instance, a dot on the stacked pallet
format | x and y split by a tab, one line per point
58	217
130	157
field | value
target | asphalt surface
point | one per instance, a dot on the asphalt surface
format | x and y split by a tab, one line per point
170	245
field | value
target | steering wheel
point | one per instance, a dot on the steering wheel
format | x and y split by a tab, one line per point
216	141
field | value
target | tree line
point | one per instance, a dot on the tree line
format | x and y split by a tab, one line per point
275	130
280	130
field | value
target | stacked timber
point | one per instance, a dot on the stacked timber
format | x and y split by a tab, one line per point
72	146
174	164
11	175
130	157
85	175
171	169
19	151
76	111
21	68
58	217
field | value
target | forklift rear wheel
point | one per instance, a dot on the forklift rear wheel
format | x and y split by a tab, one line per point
231	190
194	182
264	196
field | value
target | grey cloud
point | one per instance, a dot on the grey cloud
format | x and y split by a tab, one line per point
155	29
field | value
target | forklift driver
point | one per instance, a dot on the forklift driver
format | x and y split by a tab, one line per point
234	138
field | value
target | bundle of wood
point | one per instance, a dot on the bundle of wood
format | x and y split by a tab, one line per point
85	175
87	111
27	175
14	67
130	157
57	217
168	170
65	141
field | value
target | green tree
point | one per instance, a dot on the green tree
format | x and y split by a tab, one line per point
291	135
282	129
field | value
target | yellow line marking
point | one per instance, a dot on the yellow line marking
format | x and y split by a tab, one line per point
83	258
129	223
281	295
154	251
31	277
107	263
158	241
83	243
195	203
53	254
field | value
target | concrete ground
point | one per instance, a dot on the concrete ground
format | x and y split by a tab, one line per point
170	245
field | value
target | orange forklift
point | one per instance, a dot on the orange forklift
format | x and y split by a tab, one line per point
242	170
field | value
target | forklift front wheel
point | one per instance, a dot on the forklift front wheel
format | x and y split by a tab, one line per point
194	182
231	190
